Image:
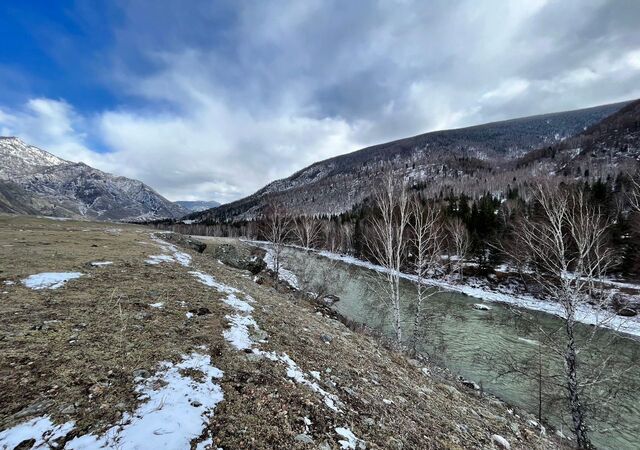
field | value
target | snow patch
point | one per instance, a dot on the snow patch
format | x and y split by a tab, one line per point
157	259
350	441
172	415
242	324
237	304
238	333
283	274
49	280
176	410
42	429
101	263
208	280
182	258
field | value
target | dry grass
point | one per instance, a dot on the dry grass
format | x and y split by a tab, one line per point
80	345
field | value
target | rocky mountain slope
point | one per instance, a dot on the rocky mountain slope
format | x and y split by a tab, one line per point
33	181
198	205
475	159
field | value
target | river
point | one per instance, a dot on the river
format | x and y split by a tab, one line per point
492	347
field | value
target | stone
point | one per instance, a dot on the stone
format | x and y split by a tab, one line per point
481	307
142	315
70	409
470	384
34	410
304	438
627	312
330	300
200	311
26	444
141	373
368	421
326	338
500	442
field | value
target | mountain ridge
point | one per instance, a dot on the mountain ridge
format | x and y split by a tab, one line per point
198	205
334	185
34	181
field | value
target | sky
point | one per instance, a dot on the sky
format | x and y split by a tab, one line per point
211	100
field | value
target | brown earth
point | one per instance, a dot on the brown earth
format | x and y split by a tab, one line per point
71	353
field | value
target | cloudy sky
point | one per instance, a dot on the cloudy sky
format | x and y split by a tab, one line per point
213	99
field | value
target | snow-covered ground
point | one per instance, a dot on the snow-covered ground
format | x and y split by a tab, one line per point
49	280
349	441
175	410
283	273
242	328
170	253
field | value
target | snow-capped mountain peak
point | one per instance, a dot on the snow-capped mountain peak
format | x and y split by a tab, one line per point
33	181
21	159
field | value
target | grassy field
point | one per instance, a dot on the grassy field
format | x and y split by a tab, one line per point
73	353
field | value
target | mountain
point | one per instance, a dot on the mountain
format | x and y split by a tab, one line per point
33	181
198	205
474	160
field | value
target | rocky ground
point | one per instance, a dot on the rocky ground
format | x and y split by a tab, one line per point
151	343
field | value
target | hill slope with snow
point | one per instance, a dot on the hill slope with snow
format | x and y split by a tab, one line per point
475	159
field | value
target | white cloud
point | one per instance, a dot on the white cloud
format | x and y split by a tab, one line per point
216	115
507	90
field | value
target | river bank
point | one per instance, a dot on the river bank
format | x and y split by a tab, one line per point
483	290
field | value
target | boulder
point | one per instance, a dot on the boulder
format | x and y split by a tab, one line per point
330	300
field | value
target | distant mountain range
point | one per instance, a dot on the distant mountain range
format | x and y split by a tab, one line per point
474	160
33	181
197	205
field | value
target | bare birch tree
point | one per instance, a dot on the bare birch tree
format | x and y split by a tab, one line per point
277	230
460	243
566	248
427	240
307	231
634	196
387	242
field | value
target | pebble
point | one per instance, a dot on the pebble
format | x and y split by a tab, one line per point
369	422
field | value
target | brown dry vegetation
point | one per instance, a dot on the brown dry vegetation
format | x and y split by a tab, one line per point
71	352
